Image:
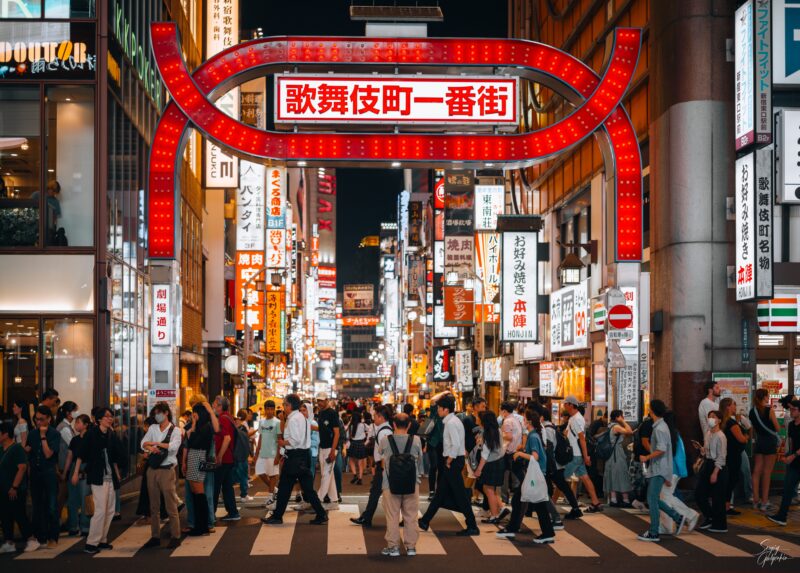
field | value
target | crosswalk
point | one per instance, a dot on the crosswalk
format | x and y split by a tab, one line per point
596	535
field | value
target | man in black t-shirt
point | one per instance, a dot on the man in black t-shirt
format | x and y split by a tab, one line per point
792	461
329	437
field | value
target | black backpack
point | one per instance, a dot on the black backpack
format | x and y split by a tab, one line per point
402	469
241	447
604	448
563	450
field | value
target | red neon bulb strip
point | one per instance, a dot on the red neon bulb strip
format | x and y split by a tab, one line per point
190	92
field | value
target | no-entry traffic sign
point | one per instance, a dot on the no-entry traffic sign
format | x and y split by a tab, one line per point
620	316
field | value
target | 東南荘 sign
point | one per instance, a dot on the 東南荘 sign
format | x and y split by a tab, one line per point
325	98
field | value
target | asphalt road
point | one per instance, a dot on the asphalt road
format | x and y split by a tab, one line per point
605	540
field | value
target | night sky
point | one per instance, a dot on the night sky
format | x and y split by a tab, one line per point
366	196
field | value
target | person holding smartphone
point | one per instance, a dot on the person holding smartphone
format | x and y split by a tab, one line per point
713	477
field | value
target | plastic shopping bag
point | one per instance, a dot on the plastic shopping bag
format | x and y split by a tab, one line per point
534	488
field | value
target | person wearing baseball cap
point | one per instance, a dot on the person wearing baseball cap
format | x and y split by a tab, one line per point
328	421
576	434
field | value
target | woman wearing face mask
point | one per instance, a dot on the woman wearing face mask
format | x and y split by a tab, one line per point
78	520
713	478
162	442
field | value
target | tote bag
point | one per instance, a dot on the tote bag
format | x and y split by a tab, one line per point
534	488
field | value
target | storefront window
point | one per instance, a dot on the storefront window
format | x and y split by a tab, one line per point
19	166
69	8
69	205
19	350
69	360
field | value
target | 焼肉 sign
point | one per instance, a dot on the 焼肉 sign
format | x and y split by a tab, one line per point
430	100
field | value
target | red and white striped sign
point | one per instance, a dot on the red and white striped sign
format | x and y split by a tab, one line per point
620	316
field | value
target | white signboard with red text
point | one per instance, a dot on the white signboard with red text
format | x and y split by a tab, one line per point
325	98
161	328
519	320
569	318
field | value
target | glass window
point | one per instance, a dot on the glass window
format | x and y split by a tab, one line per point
21	8
69	360
67	8
19	166
69	205
19	359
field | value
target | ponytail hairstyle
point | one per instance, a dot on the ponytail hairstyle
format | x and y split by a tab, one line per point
65	410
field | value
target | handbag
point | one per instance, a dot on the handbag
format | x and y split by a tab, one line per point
154	460
210	463
534	486
88	504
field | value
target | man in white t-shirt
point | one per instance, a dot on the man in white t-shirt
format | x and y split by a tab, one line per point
708	404
267	464
576	434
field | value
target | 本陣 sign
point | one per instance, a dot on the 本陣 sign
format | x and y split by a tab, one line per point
569	308
519	287
162	315
431	100
250	208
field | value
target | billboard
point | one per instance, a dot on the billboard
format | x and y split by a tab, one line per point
358	297
392	99
459	306
519	319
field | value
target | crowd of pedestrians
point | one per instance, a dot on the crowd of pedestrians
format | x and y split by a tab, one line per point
496	467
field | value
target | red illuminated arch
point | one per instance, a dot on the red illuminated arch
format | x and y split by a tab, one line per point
597	99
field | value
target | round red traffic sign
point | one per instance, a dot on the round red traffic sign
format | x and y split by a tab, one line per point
620	316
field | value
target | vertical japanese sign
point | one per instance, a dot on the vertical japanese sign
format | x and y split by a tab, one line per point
276	248
458	223
415	209
788	158
763	229
222	32
627	387
416	276
249	301
273	328
250	208
161	327
547	380
488	205
763	70
519	281
745	227
744	80
459	306
464	369
441	364
487	267
276	198
569	309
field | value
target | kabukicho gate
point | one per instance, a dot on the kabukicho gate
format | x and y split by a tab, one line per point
429	103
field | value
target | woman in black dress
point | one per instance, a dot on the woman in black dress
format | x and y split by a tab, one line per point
765	450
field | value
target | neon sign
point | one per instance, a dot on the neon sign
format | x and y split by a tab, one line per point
598	109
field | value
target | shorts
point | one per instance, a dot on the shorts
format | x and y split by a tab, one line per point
576	467
267	467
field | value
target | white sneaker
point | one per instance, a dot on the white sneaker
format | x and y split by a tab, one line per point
302	506
8	547
692	522
32	545
680	526
391	551
272	506
246	498
332	506
411	552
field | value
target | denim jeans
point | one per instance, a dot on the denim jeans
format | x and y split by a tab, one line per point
790	481
654	501
223	482
337	471
208	490
44	499
77	520
242	476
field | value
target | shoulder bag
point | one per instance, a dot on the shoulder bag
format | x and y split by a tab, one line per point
154	460
761	423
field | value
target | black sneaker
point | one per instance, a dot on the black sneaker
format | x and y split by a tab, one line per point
105	546
777	519
505	512
647	536
271	520
733	511
423	525
558	525
91	549
469	532
321	519
574	514
544	539
505	533
430	496
706	524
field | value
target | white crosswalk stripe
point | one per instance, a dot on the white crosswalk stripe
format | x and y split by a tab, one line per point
127	544
276	539
45	552
428	543
707	543
202	546
625	537
566	544
488	543
344	538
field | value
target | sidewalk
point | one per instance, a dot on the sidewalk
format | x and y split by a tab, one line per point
758	519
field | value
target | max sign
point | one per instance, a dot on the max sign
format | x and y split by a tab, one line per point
597	102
